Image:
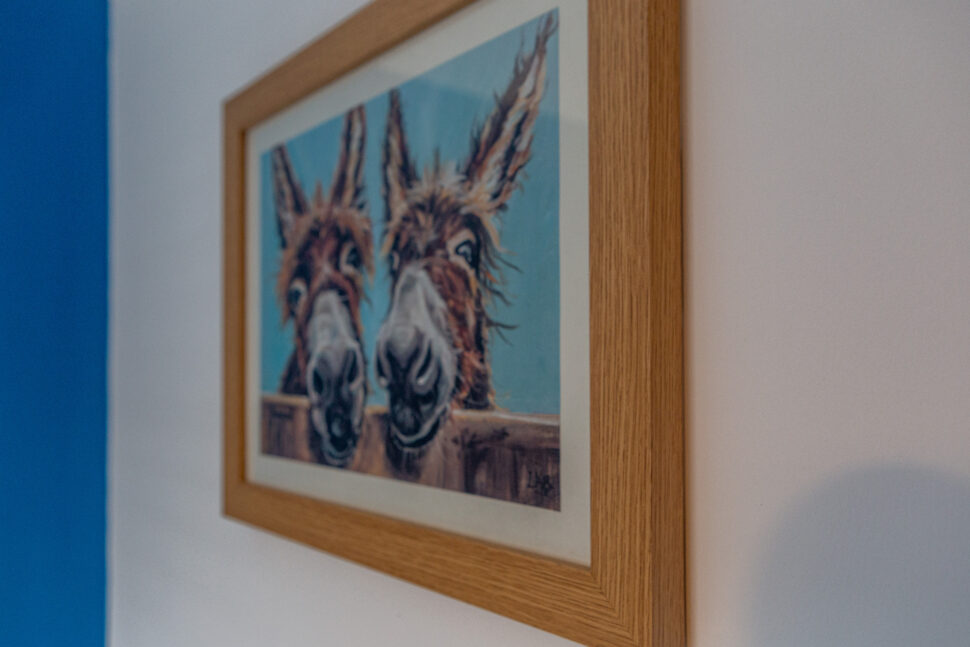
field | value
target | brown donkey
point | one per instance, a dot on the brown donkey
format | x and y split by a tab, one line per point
441	237
327	250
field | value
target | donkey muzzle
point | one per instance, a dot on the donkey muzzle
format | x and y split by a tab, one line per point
415	361
335	380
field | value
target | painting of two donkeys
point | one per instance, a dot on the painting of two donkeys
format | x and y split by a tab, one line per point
409	281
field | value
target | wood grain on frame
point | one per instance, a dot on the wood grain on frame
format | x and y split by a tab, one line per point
633	592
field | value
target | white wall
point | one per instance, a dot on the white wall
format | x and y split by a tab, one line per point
828	252
828	259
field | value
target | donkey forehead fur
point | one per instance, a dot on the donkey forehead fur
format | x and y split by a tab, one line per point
318	240
441	202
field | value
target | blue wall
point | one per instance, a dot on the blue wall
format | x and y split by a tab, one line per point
53	321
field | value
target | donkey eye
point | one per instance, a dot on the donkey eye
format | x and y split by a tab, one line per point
468	252
295	294
353	258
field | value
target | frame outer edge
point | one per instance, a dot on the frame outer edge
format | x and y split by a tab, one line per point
667	575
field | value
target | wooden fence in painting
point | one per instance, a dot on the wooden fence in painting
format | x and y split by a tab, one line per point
495	454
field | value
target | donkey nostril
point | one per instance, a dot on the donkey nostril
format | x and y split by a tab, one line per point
423	374
352	368
318	382
381	372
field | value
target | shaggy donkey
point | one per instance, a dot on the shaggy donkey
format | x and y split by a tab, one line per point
327	251
441	238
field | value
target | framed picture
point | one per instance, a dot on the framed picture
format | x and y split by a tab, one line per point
453	320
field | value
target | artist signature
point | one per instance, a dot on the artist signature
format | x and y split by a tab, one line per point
541	483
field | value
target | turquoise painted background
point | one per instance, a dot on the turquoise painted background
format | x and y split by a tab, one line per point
440	109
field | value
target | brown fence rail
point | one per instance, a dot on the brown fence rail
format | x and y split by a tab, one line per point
503	456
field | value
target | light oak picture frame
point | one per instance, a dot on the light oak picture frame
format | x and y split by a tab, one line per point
633	592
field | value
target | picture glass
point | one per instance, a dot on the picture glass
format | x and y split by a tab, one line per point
418	283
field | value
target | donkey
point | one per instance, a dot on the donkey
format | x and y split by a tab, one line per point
441	239
327	254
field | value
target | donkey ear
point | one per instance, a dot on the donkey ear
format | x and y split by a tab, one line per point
318	201
347	188
291	204
398	170
503	145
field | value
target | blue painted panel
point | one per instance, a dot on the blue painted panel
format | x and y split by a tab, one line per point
53	321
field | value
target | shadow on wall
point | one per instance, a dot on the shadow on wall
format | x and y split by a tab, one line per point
876	557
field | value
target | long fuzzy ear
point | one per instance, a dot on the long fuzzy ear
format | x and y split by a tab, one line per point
398	170
347	188
291	204
503	145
